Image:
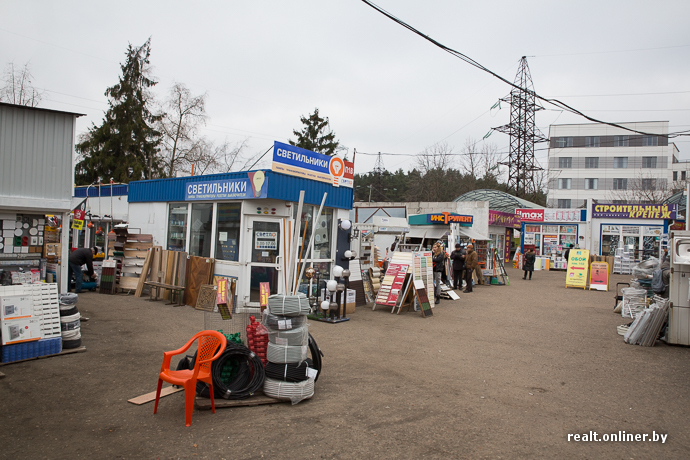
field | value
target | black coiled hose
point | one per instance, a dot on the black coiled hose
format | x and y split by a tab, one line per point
316	355
292	372
248	379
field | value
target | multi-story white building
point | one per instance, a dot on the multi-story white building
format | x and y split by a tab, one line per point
611	164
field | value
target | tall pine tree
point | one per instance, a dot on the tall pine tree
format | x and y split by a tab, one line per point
316	135
125	146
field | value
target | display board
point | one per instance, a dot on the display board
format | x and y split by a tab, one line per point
424	269
599	276
578	263
423	298
392	284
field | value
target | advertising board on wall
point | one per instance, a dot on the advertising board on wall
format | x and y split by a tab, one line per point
296	161
504	219
254	186
634	211
550	215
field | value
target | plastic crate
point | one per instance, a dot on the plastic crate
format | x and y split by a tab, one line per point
28	350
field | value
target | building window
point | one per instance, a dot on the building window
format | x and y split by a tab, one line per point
228	231
620	184
565	162
564	203
682	175
650	141
200	223
620	162
564	184
621	141
591	184
648	184
592	141
649	162
675	176
592	162
562	142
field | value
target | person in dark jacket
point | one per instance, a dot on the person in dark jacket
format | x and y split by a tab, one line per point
79	257
567	252
528	264
458	258
438	257
471	261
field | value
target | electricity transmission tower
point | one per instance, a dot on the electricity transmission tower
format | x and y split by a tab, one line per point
377	183
523	134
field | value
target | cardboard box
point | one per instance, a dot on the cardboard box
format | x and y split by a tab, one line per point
16	306
52	250
20	330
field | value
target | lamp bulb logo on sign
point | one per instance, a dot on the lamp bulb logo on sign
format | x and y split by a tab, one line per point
337	166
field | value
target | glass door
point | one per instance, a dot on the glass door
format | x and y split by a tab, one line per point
264	258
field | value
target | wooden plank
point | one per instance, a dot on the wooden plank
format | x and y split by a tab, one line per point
168	273
136	253
155	263
148	397
257	400
199	271
182	272
128	283
140	237
63	352
144	272
137	245
175	267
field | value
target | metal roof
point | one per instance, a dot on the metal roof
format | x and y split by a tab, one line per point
118	190
498	200
280	187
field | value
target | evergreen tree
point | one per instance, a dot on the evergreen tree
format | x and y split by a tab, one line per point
316	135
125	146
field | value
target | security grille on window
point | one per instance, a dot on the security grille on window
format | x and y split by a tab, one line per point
620	162
649	162
591	184
564	203
648	184
592	141
562	142
564	184
565	162
650	141
620	184
621	141
591	162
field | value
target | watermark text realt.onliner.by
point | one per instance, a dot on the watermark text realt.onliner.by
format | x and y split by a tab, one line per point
620	436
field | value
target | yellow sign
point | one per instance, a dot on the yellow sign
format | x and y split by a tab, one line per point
599	276
578	263
77	224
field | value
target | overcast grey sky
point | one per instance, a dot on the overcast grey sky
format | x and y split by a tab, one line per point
266	63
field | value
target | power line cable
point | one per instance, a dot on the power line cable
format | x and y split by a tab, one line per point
476	64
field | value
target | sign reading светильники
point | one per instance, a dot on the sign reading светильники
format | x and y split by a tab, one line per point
254	186
296	161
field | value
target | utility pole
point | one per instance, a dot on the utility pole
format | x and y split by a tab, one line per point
523	133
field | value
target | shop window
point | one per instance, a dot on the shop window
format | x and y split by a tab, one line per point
177	226
649	162
228	231
591	184
322	236
570	229
650	141
620	162
564	203
550	228
200	223
564	184
591	162
532	228
621	141
592	141
565	162
620	184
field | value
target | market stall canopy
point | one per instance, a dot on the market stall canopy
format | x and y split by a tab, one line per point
432	232
472	234
498	200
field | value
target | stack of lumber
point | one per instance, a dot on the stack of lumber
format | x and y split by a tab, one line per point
168	267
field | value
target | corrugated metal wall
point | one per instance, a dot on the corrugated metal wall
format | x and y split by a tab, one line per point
118	190
280	186
36	153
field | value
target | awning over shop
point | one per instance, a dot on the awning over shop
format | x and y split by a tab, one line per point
432	232
471	234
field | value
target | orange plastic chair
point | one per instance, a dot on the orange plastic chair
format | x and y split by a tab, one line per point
209	342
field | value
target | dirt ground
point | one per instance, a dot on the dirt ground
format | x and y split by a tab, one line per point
504	372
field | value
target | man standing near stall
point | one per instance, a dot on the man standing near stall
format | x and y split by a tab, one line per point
79	257
470	265
458	258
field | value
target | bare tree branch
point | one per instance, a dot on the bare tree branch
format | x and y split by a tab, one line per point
19	87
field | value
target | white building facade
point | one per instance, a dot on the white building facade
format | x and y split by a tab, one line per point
610	164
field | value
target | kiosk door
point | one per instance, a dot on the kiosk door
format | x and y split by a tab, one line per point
264	257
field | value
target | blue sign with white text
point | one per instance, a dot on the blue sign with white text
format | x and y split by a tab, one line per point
231	189
302	158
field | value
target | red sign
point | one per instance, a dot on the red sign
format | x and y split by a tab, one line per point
349	170
264	292
222	295
532	215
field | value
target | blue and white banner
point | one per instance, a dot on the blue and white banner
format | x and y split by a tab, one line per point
230	189
296	161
